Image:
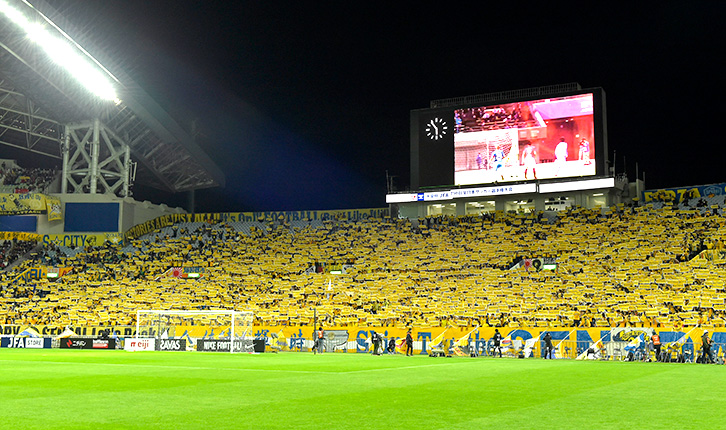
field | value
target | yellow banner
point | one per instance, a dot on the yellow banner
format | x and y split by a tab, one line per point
53	207
82	240
22	204
716	256
10	235
575	339
40	273
284	216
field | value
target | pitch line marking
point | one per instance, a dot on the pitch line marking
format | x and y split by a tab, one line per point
242	369
403	367
154	366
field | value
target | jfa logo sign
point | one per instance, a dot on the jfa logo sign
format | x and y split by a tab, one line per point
22	342
17	342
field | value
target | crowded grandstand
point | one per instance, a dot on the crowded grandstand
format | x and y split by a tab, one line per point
627	266
648	266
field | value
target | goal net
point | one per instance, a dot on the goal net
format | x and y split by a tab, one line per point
208	330
486	149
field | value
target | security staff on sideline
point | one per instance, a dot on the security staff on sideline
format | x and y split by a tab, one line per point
320	342
656	344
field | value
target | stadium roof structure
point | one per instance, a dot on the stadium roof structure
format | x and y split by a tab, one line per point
521	94
39	100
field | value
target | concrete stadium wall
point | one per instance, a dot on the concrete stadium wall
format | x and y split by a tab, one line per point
131	212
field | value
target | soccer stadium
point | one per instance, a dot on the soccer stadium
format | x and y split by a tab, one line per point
521	282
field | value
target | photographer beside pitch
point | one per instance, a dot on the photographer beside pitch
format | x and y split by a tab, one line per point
497	340
391	349
376	341
548	345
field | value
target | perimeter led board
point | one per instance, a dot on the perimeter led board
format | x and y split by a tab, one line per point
562	136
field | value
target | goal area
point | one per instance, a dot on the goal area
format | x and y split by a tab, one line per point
200	330
485	150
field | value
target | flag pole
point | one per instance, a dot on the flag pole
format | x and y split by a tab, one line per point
467	335
440	335
685	337
530	343
566	338
584	353
568	335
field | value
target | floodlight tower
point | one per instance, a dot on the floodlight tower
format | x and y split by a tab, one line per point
58	100
95	158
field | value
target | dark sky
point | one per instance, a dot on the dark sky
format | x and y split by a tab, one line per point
306	104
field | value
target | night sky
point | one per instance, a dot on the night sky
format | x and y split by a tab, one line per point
305	105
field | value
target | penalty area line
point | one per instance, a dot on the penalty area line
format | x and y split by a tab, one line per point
240	369
156	366
383	369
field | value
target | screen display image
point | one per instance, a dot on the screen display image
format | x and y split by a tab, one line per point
529	140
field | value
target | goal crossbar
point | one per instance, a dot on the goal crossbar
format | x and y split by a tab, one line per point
237	324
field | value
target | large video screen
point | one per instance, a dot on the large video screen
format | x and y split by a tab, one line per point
528	140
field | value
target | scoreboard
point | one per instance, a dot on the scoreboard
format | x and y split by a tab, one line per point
544	138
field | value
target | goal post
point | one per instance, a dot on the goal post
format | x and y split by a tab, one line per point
204	330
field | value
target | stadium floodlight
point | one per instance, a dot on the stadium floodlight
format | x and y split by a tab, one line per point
79	63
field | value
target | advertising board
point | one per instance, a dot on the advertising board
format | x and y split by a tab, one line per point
87	343
25	342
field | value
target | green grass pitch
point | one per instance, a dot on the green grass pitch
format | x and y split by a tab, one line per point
57	389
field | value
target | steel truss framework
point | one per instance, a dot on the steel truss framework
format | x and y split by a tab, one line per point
96	160
22	124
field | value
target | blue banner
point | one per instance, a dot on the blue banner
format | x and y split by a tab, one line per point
681	194
25	342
